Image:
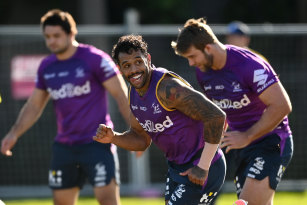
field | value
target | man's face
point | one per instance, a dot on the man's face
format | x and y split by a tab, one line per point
135	68
198	58
57	40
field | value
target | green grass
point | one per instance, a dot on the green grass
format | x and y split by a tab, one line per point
281	198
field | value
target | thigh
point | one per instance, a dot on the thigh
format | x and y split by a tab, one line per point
109	194
257	192
64	171
265	161
181	194
65	196
258	168
191	194
100	164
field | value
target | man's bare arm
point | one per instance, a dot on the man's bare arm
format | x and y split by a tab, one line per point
28	115
174	94
134	139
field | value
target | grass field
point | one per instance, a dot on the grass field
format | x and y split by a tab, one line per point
281	198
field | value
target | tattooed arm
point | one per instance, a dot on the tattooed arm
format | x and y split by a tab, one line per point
175	94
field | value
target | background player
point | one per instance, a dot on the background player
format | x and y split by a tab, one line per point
77	78
182	122
246	87
238	34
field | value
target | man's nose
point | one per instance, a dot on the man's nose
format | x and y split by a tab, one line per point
191	62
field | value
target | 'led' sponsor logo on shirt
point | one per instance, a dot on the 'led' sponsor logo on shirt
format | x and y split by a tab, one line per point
150	126
228	104
69	90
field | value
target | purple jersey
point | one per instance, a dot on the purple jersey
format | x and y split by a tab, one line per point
176	134
237	86
79	99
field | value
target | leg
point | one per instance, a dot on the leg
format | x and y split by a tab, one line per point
102	169
108	195
65	196
191	194
65	178
257	192
262	169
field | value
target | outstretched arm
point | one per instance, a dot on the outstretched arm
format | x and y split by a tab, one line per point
134	139
28	115
173	93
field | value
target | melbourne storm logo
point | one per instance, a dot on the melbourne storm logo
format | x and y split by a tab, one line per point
156	108
260	77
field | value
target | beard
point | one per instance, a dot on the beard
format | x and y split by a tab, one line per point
59	50
145	78
209	59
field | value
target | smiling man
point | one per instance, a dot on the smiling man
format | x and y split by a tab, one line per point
182	122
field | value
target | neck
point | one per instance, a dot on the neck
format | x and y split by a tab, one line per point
71	50
220	57
141	92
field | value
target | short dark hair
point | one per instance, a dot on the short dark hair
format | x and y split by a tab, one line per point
128	44
57	17
195	32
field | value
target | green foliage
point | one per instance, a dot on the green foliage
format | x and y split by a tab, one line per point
153	12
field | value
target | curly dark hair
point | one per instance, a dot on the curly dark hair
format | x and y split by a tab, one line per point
128	44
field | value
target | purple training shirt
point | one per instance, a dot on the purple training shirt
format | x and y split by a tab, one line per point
79	99
237	86
176	134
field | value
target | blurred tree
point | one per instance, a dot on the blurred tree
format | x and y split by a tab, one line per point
260	11
152	12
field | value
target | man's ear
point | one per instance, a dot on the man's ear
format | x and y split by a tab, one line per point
208	48
149	58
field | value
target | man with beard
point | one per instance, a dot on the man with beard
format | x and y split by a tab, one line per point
77	77
247	88
181	121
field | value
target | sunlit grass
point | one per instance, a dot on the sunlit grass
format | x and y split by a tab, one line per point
281	198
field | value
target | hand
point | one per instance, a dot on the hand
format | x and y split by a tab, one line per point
196	175
234	140
104	134
7	144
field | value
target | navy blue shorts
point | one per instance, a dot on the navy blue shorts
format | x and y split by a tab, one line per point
263	159
72	165
180	191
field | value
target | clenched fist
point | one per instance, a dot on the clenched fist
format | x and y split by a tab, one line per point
104	134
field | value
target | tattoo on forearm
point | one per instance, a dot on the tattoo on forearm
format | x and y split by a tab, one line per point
194	105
